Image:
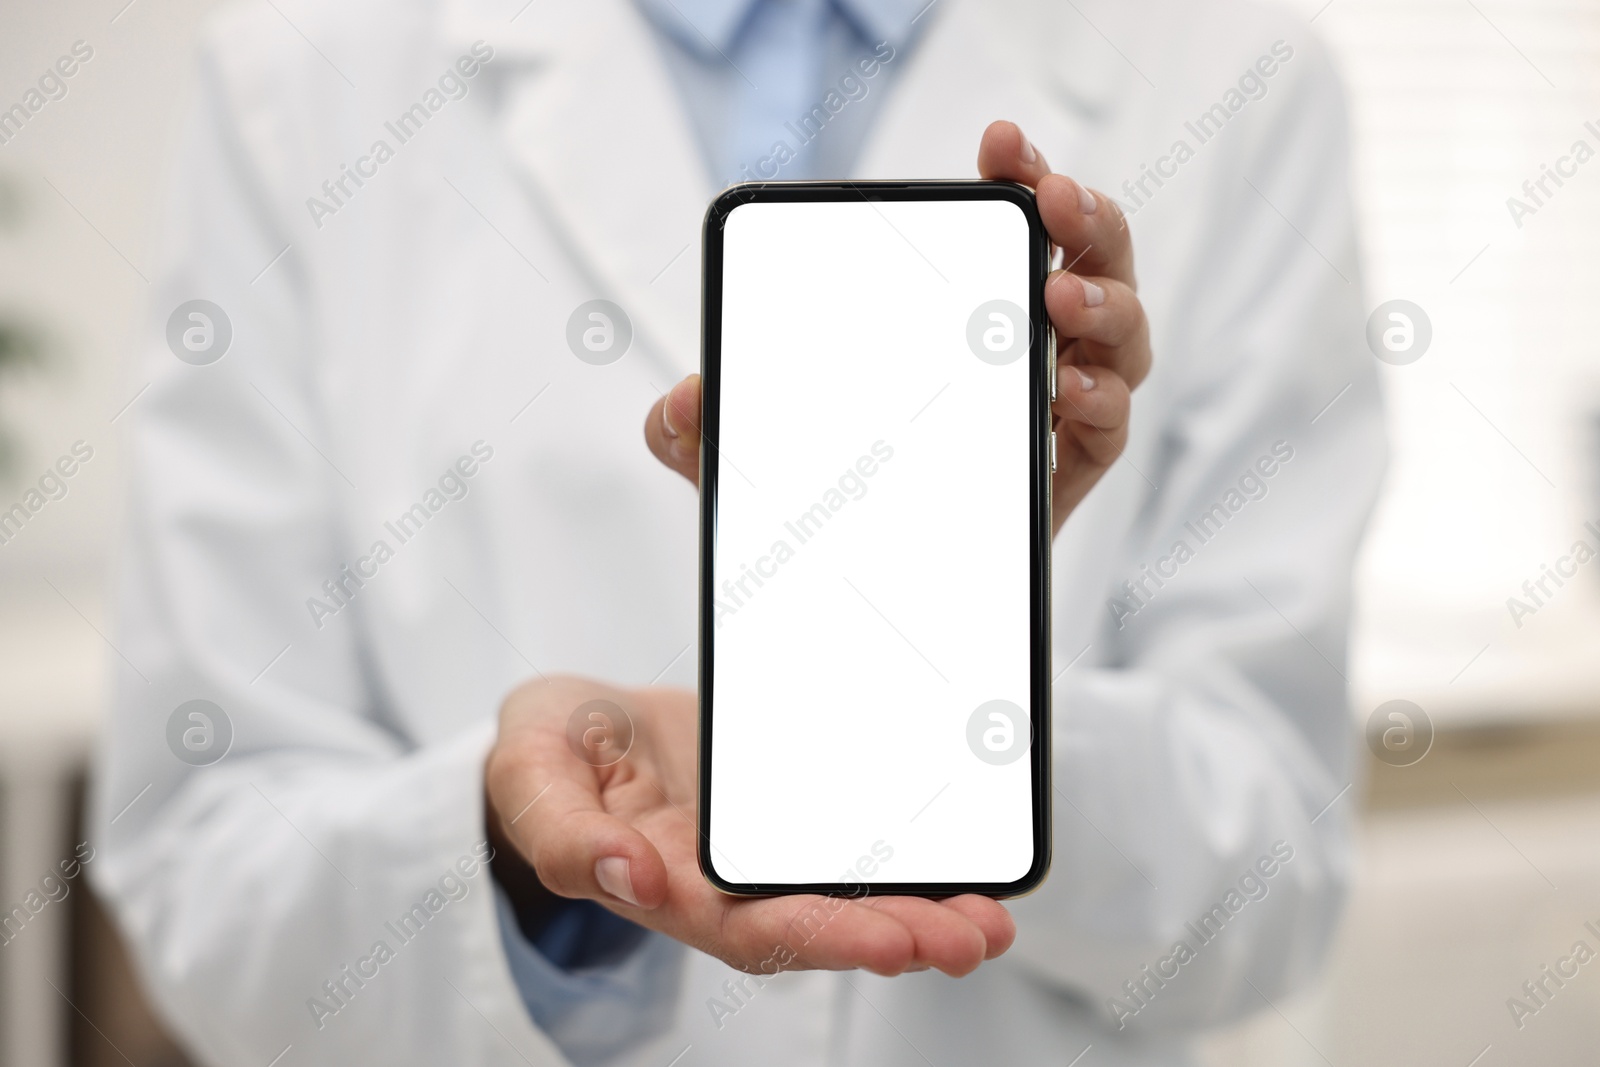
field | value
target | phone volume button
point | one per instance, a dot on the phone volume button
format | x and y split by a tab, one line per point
1052	451
1050	362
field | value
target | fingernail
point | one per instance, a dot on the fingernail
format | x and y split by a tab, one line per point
666	420
1086	201
612	874
1030	154
1093	295
1086	382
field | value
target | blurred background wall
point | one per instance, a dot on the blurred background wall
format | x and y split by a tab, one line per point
1479	863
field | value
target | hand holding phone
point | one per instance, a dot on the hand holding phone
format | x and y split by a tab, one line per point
635	820
1102	338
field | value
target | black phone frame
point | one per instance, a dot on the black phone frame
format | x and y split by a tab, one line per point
1041	363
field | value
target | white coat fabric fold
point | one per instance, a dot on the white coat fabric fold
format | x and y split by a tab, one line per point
398	332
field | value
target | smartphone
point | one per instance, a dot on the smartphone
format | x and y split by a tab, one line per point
875	540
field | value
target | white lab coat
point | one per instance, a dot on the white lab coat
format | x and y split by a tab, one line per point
429	313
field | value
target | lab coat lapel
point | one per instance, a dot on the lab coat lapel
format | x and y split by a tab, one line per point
592	123
980	61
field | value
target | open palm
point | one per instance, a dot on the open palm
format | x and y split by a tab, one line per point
625	834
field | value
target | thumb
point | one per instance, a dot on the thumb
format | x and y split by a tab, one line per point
579	850
549	807
672	429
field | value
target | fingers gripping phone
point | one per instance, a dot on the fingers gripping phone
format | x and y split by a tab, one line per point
875	534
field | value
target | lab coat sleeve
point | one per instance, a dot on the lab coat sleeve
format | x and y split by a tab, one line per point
291	870
595	1014
1204	738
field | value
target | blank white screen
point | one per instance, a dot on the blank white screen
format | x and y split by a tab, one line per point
846	670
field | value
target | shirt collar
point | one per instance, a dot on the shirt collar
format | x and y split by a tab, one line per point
704	27
711	27
885	20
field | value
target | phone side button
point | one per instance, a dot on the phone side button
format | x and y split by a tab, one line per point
1050	363
1052	451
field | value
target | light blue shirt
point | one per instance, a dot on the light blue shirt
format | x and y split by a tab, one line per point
782	89
774	90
